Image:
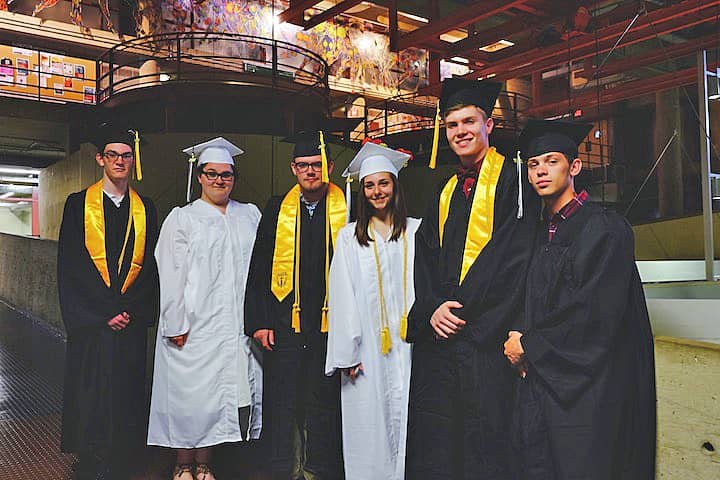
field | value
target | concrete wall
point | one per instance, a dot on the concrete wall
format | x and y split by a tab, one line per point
677	239
688	392
264	170
28	279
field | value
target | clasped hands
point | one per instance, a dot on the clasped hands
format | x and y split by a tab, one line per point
119	321
515	353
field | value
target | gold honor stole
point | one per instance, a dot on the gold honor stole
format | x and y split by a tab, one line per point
480	225
95	234
286	256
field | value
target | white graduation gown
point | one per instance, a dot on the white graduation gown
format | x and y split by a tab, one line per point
375	406
203	259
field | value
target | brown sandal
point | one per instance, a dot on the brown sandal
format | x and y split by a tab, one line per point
203	472
180	471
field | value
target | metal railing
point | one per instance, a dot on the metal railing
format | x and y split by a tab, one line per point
213	59
414	112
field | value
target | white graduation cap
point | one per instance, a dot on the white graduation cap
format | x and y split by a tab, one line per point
373	158
217	150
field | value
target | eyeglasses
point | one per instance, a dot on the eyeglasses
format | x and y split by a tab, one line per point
303	166
224	176
113	155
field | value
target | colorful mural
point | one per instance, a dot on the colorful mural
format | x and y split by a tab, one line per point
353	51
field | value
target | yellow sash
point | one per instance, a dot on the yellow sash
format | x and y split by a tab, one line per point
480	225
94	222
286	256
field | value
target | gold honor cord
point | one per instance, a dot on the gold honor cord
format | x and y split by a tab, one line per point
138	168
285	276
385	338
94	224
436	138
480	225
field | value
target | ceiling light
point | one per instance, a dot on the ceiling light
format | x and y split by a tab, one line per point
20	171
164	77
19	180
414	17
499	45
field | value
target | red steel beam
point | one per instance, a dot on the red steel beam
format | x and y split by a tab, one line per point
522	24
330	13
294	13
589	51
461	18
535	58
651	58
619	93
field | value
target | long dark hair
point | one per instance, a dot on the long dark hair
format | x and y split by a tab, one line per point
398	212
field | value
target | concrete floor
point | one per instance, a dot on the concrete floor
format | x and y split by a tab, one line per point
32	358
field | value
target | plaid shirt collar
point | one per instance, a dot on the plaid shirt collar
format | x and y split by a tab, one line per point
564	213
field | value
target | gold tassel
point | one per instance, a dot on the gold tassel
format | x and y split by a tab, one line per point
385	340
323	156
296	317
403	327
324	324
138	168
436	138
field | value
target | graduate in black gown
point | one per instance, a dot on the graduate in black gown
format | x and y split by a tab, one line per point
586	394
108	288
286	312
472	250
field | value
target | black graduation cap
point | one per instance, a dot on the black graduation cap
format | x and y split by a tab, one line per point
461	92
307	133
113	133
543	136
109	133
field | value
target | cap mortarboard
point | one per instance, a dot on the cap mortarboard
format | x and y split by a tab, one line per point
374	158
459	91
108	133
543	136
217	150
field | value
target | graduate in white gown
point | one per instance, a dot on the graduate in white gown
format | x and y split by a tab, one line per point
207	382
371	291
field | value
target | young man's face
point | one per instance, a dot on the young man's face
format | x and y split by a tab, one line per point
551	174
308	171
467	130
117	160
217	189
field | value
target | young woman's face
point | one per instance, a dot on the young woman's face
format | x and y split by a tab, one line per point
378	189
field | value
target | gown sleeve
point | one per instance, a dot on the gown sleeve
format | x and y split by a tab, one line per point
144	301
574	337
344	327
427	255
172	261
257	311
76	285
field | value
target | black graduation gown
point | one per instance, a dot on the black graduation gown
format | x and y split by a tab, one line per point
104	407
295	388
586	409
461	389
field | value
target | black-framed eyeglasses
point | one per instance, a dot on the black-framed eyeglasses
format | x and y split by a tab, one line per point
224	176
303	166
112	155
